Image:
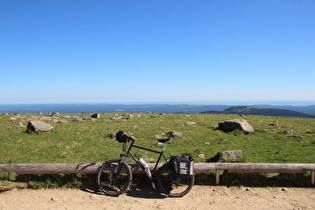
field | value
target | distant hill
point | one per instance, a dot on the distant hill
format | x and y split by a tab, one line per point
304	109
260	111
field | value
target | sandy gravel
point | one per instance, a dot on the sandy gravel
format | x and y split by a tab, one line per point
201	197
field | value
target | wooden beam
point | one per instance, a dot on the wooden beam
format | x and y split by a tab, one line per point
265	167
50	168
62	168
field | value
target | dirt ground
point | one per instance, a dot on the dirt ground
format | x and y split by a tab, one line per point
200	197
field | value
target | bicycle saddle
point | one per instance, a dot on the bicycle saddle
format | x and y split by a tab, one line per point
163	140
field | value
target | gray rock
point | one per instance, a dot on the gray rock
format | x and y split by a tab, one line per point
38	126
88	119
227	156
55	120
175	134
275	125
190	123
231	125
19	125
55	114
76	119
288	132
95	116
296	136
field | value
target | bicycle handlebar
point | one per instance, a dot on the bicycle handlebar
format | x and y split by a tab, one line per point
129	138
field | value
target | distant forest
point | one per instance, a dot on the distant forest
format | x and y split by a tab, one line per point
261	111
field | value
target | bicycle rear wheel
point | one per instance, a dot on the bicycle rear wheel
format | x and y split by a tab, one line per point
173	184
114	178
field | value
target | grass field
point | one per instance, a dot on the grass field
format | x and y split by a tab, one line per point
92	141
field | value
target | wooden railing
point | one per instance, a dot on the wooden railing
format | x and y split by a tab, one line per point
90	168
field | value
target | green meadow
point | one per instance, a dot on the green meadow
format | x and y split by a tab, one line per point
94	141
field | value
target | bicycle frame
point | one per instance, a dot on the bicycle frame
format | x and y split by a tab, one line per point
128	153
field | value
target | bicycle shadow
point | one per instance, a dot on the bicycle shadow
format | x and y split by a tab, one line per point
137	192
145	192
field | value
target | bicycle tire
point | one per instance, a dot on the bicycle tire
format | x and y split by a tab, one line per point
111	182
173	184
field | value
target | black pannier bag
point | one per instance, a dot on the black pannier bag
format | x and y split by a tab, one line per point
183	165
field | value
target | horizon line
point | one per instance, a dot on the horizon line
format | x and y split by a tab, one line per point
223	102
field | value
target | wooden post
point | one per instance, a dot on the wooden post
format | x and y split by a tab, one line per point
313	177
217	177
7	176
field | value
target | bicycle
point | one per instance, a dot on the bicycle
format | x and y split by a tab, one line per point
115	176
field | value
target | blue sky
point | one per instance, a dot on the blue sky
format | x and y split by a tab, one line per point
63	51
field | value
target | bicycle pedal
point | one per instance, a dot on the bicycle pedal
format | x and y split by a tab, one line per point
153	185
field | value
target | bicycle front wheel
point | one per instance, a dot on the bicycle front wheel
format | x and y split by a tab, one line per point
173	184
114	177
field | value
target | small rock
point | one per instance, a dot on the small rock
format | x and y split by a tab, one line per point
190	123
96	116
115	118
88	119
275	125
197	151
19	125
201	156
295	136
175	134
55	114
288	132
76	119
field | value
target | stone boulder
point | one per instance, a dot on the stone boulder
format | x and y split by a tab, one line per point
95	116
38	126
231	125
227	156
